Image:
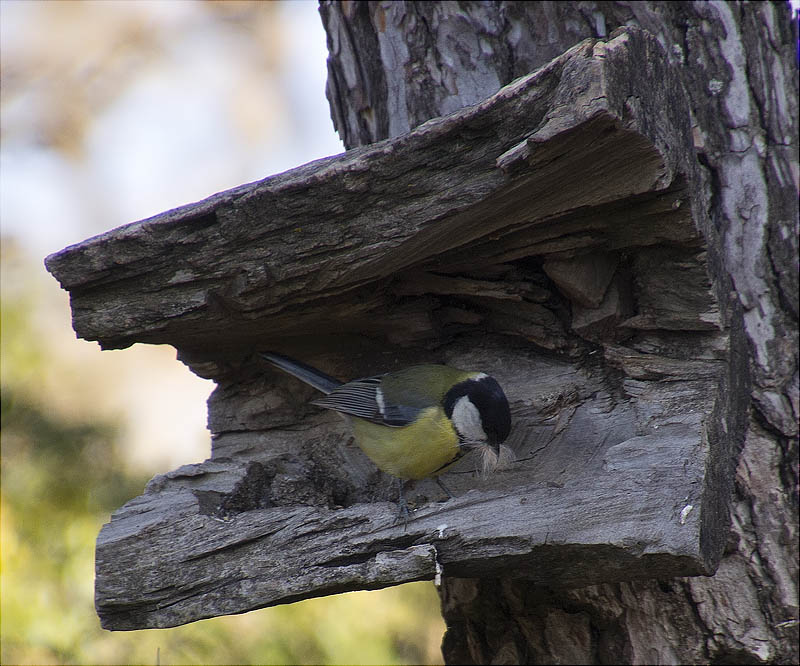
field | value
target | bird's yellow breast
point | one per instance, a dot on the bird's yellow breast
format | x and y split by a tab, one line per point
415	451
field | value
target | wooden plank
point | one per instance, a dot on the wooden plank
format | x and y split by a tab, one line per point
627	399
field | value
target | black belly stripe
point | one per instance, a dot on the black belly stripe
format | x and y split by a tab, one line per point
458	456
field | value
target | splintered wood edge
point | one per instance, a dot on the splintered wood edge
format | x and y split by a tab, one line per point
164	559
162	562
226	266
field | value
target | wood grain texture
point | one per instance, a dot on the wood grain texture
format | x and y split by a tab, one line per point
736	62
600	492
234	270
430	247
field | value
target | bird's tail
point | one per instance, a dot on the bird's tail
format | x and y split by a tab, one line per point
319	380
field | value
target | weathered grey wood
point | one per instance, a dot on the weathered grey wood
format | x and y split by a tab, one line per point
737	62
192	565
595	500
430	247
229	272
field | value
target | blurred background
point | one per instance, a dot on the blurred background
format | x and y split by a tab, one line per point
111	112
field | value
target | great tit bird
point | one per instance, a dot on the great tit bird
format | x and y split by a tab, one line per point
415	422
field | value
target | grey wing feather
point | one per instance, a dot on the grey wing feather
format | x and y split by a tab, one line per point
399	415
360	398
357	398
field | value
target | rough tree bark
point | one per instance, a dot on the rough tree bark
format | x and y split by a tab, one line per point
607	247
393	65
550	235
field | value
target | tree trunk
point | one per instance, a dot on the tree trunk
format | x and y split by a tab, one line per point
557	249
393	66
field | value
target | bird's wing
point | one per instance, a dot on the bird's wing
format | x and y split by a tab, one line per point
363	398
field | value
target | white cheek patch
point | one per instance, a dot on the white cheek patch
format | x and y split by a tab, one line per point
467	421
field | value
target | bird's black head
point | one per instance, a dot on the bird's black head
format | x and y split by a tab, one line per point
476	403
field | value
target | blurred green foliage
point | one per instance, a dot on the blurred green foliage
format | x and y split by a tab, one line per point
62	475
